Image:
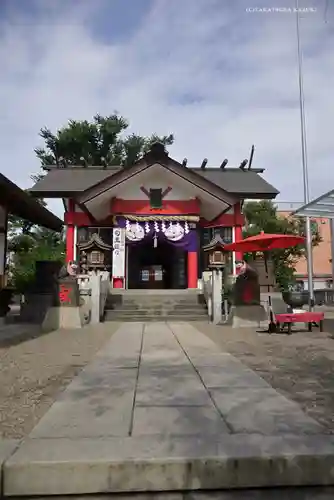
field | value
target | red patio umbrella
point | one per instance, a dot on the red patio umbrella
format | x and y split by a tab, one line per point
265	242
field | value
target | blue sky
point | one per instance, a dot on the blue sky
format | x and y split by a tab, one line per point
220	75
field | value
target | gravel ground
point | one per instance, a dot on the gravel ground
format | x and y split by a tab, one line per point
300	366
35	370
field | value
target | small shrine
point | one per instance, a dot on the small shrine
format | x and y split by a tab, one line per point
94	254
216	253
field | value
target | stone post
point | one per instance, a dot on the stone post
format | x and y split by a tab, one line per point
95	280
217	282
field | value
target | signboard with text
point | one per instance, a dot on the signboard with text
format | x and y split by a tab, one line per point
118	258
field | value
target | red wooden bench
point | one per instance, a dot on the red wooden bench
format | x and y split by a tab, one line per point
303	317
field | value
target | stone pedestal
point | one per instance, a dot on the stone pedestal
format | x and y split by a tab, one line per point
65	310
41	295
252	316
62	317
35	306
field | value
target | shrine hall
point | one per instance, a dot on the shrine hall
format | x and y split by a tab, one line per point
147	223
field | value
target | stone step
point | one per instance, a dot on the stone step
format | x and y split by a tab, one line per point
152	300
155	305
148	317
87	466
158	310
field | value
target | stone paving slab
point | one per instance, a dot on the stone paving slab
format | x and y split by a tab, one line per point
105	465
262	410
171	392
277	494
7	447
310	493
229	375
181	420
159	409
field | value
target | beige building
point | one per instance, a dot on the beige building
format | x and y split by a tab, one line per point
322	263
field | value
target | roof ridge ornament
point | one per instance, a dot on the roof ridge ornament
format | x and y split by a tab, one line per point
157	151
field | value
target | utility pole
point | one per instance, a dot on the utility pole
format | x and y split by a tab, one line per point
309	249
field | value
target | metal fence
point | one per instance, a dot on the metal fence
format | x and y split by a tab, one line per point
324	297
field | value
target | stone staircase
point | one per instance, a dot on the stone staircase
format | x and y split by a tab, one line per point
182	305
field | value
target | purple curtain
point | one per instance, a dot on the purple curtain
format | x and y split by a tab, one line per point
189	241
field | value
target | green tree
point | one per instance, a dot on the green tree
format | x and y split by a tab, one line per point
99	142
39	244
263	216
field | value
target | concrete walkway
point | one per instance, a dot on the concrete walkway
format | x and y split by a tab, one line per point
159	409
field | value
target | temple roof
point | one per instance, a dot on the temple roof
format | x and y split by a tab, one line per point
94	240
70	181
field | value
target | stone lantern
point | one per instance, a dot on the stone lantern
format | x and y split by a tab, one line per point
216	253
216	262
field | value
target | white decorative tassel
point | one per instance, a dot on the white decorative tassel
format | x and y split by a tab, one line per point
163	227
186	228
170	225
127	225
156	227
147	227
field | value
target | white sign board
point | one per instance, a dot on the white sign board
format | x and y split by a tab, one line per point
118	257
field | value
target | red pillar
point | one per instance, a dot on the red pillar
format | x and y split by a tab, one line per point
69	243
192	269
70	234
237	229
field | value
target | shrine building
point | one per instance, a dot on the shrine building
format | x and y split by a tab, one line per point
147	223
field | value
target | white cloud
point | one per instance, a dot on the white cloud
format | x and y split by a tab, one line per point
239	68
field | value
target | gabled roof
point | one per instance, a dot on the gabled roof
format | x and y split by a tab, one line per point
157	155
22	204
95	240
62	182
247	183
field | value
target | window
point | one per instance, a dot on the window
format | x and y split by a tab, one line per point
156	198
96	257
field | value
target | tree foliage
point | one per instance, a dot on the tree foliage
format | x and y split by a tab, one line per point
38	244
263	216
101	141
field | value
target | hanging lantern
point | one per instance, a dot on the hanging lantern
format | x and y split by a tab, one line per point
163	227
186	227
155	241
137	227
147	227
156	227
178	226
